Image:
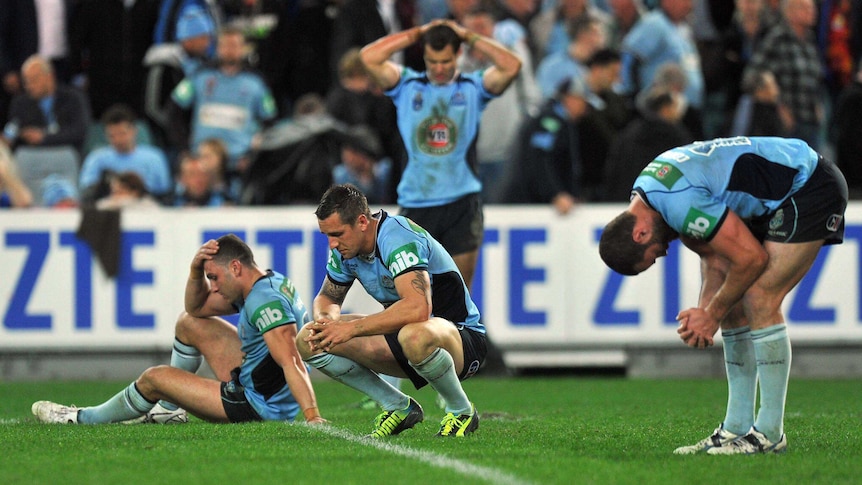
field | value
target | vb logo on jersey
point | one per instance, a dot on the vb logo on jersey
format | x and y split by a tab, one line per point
697	224
268	314
437	135
402	258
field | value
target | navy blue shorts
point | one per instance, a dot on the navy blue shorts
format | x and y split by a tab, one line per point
475	348
236	406
459	226
815	212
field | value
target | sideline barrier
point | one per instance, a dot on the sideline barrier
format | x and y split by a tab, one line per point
545	295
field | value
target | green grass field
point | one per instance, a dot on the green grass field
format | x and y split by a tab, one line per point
539	430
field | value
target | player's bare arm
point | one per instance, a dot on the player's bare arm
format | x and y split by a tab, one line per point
281	342
506	66
327	303
745	258
376	56
414	288
200	300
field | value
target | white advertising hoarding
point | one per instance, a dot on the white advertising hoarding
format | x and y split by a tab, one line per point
540	284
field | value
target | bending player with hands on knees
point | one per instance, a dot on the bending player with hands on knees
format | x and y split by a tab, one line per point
260	373
756	211
428	331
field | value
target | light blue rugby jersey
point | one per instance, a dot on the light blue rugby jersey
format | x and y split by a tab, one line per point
439	124
272	302
694	186
226	107
403	246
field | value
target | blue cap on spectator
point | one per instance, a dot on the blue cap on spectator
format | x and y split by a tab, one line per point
57	189
194	22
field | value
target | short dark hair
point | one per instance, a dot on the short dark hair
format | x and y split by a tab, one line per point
346	200
604	57
618	248
118	113
439	36
231	247
132	181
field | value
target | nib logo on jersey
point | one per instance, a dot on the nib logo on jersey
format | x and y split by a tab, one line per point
268	315
406	256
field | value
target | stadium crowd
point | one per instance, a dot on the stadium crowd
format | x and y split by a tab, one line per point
251	102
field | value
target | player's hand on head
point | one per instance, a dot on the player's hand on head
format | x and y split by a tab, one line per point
204	254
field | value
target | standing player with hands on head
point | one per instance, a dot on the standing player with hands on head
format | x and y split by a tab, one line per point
439	111
756	211
428	331
260	373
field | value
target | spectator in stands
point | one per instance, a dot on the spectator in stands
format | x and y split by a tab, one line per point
108	41
13	190
601	126
550	27
29	27
358	100
587	36
59	192
196	185
656	129
49	114
759	112
170	18
662	36
169	63
274	29
739	41
672	76
546	167
624	15
127	190
504	115
846	133
363	165
228	102
213	157
124	154
790	53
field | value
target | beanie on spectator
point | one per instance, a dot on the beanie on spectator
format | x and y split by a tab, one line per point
194	22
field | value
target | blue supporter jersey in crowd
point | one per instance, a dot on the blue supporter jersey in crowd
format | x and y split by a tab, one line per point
439	124
654	41
403	246
272	302
695	185
230	108
147	161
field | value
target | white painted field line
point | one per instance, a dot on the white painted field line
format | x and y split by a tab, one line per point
471	470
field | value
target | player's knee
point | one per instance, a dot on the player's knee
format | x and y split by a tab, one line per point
416	341
761	303
148	382
301	345
184	327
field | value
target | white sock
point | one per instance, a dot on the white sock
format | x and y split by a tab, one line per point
360	378
772	349
741	369
126	404
439	370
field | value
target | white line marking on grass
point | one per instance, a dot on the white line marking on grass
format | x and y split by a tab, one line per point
442	461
